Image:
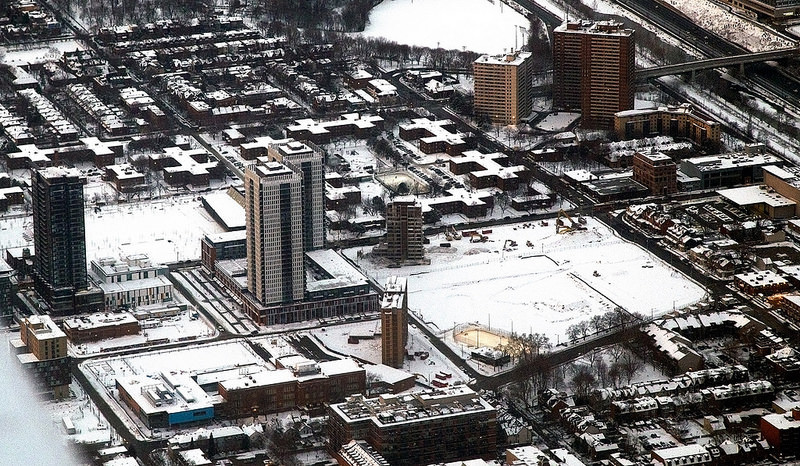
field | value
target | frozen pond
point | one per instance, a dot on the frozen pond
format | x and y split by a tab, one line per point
484	26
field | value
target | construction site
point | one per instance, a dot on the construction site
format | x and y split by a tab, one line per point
534	277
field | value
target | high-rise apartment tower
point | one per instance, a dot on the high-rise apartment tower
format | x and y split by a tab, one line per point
503	87
394	322
308	158
404	230
274	218
59	237
594	70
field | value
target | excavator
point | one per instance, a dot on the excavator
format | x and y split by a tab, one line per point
565	223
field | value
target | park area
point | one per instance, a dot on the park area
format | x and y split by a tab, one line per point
526	278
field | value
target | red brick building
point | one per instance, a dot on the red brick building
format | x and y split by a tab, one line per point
594	70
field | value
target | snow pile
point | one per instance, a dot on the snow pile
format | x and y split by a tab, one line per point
717	19
483	26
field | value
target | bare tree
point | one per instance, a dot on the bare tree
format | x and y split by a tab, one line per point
582	381
630	365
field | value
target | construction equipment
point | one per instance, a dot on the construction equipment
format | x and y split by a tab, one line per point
565	223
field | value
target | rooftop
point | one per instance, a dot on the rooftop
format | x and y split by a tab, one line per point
510	59
338	272
610	28
101	319
168	391
416	407
730	161
750	195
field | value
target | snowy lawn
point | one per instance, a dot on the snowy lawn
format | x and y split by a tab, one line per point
483	26
543	288
166	230
52	52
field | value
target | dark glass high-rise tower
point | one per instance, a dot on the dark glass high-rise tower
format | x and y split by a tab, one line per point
59	237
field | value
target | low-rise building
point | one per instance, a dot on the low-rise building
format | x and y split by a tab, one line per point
656	171
165	399
182	166
726	170
489	170
42	350
673	349
320	132
125	178
296	382
761	200
131	282
435	136
782	431
99	326
420	428
688	455
683	121
761	281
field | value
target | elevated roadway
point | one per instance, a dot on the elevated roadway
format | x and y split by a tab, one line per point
717	62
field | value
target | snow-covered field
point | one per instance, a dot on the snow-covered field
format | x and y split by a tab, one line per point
52	52
167	230
484	26
545	287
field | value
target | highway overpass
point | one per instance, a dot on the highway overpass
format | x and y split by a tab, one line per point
711	63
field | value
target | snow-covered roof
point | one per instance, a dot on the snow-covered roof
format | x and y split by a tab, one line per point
338	270
730	161
509	59
323	127
684	455
779	172
399	409
259	379
605	28
782	421
101	319
339	367
237	235
122	461
228	210
133	285
759	278
168	392
750	195
59	172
